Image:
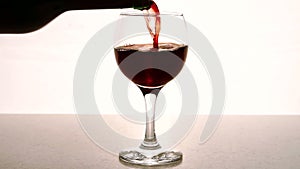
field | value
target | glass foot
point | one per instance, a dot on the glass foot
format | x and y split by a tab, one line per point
137	158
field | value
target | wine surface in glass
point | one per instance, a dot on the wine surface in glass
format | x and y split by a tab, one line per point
151	67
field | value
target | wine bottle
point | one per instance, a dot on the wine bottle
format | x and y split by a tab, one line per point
29	15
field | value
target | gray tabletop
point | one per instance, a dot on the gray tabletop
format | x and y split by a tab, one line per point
58	142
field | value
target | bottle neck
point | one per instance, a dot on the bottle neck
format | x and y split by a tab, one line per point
106	4
66	5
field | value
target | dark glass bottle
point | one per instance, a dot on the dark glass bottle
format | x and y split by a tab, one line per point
23	16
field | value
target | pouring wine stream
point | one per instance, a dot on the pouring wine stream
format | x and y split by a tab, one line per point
153	10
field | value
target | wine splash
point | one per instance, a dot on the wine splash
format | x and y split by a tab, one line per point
153	11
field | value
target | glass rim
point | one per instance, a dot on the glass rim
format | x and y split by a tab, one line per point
142	13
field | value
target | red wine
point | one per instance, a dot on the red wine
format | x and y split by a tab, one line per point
153	10
151	67
22	16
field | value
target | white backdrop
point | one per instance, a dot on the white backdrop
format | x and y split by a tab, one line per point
258	43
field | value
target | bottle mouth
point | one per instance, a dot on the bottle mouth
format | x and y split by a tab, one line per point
142	13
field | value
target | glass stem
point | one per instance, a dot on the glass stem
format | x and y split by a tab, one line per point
150	141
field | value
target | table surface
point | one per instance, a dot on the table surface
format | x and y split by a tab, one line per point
58	142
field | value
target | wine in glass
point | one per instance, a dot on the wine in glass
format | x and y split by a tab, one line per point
150	63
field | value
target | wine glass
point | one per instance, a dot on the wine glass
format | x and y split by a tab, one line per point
150	68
